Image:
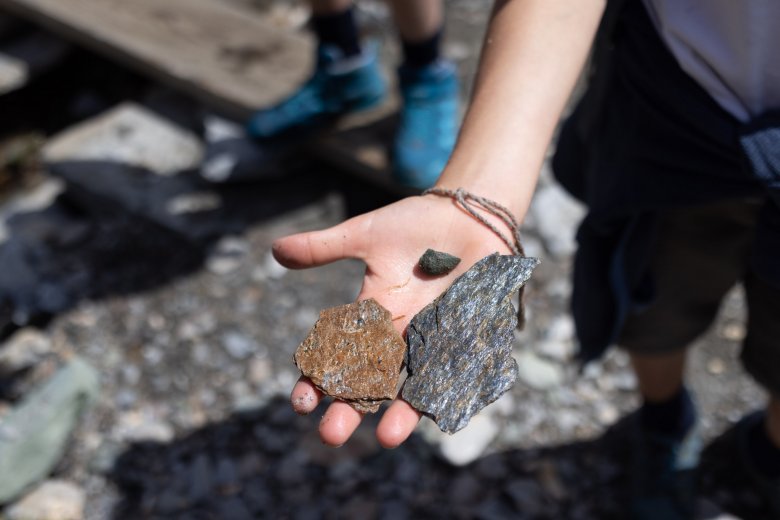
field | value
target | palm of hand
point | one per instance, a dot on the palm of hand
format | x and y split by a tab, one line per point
390	241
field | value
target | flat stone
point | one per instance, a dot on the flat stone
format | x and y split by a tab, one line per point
469	444
460	345
13	74
130	135
354	354
196	202
538	373
557	216
34	199
23	350
33	435
52	500
138	427
436	263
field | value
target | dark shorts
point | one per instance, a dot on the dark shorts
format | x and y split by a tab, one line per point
699	255
673	211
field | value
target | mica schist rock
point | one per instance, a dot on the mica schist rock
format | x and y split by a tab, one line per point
460	345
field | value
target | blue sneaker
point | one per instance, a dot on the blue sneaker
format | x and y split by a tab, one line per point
429	123
339	85
663	475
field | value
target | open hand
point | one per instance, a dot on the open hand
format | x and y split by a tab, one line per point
390	241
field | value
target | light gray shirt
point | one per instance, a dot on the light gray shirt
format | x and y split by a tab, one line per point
730	47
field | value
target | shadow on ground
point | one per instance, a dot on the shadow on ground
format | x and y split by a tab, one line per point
269	463
118	230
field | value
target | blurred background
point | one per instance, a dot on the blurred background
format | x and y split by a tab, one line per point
146	332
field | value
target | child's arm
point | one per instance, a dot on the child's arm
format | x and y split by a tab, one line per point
533	54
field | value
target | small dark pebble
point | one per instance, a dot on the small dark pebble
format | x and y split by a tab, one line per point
436	263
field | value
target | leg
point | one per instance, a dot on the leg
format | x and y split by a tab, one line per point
665	444
660	377
346	78
428	122
334	24
689	285
326	7
417	20
773	421
667	408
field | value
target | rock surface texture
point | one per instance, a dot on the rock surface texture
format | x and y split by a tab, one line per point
354	354
436	263
460	345
34	435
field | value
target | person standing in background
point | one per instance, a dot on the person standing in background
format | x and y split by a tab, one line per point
347	78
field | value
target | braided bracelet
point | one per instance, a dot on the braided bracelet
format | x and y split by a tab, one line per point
466	200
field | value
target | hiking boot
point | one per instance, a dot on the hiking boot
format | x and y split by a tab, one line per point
768	490
663	474
428	123
338	86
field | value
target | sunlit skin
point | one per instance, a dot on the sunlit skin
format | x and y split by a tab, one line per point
391	279
533	53
660	376
532	57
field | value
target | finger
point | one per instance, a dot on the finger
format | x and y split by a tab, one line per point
398	422
305	396
316	248
338	423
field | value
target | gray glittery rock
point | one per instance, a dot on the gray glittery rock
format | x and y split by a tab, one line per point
460	345
436	263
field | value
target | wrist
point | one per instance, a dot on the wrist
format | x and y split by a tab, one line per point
509	187
491	221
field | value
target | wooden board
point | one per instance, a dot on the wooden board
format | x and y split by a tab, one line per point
225	56
360	145
229	58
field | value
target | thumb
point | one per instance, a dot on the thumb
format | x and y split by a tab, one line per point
314	248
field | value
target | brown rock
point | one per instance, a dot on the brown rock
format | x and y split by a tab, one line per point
354	354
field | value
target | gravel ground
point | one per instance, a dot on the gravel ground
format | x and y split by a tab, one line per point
193	339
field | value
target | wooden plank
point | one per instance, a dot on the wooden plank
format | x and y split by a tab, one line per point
360	145
227	57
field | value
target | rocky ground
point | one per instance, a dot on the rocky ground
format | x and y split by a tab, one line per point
191	325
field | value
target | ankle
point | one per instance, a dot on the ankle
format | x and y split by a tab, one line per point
338	29
773	421
419	54
674	416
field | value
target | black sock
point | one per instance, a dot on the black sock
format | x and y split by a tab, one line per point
673	417
420	54
765	454
338	29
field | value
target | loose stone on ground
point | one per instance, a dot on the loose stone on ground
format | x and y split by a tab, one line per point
52	500
23	350
128	134
34	434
